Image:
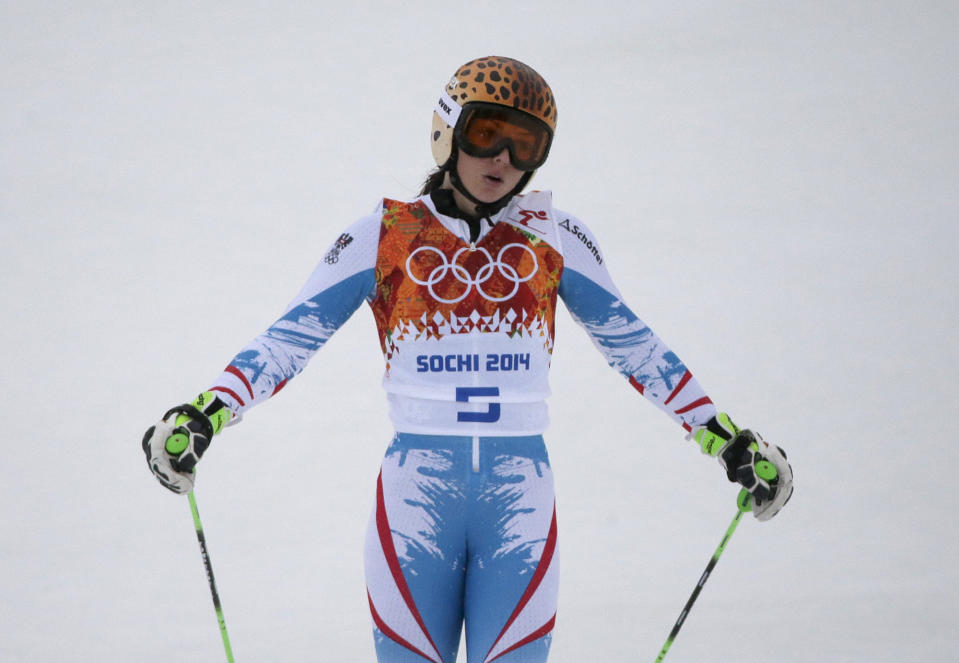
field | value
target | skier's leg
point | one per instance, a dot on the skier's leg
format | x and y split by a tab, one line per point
513	565
415	549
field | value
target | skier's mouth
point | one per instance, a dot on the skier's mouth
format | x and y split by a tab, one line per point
493	179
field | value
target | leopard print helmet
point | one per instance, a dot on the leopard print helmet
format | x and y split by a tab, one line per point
492	80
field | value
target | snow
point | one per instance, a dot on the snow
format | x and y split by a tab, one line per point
774	187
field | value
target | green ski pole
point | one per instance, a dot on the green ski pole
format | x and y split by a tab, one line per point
699	587
765	470
209	577
175	445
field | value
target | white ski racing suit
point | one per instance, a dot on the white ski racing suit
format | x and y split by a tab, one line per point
464	525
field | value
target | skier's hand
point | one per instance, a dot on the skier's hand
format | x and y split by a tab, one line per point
175	444
761	468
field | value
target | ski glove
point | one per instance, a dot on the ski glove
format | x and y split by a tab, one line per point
761	468
175	444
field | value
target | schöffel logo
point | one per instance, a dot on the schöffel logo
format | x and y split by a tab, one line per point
333	255
584	238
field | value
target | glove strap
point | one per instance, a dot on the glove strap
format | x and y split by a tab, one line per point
207	410
717	432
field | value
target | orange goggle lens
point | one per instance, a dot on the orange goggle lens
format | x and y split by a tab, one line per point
485	130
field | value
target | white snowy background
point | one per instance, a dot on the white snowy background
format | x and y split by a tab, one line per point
775	189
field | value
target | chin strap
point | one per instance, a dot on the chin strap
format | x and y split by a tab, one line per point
483	210
446	204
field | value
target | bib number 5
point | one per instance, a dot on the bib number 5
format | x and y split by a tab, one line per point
463	395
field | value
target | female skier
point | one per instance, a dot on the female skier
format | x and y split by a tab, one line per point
463	283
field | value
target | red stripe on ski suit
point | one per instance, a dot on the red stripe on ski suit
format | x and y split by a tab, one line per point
687	376
390	633
541	568
229	392
692	406
389	551
535	635
238	373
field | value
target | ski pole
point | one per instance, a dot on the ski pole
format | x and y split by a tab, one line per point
699	586
765	470
209	577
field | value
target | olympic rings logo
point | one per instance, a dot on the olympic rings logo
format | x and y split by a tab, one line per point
461	274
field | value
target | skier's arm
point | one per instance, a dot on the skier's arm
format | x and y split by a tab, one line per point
337	287
628	344
631	347
333	292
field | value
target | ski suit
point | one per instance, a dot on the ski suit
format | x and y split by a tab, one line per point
464	522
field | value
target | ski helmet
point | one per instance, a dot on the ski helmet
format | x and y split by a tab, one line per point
487	83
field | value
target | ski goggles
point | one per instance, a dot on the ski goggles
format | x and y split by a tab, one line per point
485	130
